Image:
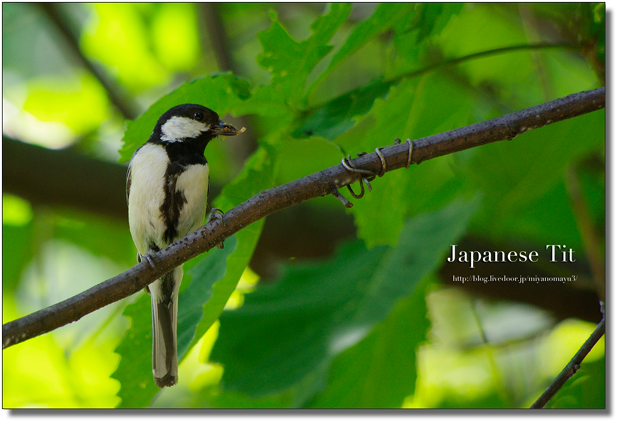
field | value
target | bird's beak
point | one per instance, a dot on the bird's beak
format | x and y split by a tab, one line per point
224	129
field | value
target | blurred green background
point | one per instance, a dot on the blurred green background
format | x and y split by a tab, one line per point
324	307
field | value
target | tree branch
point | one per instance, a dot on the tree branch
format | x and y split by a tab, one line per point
571	368
270	201
68	177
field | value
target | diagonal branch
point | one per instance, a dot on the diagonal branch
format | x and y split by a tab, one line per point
571	368
270	201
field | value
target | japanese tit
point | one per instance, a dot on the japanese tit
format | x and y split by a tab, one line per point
167	187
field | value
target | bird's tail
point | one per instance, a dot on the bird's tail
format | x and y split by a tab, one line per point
164	307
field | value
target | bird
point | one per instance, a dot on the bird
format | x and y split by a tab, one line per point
167	188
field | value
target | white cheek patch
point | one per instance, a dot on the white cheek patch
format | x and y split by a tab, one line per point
178	128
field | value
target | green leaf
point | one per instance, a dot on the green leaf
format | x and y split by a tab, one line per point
265	101
383	364
210	270
221	93
290	62
412	40
515	175
134	370
223	289
288	333
432	18
338	115
380	215
485	30
385	16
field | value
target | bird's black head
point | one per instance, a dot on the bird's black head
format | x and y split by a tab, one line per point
189	122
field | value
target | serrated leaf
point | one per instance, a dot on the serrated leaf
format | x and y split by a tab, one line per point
289	61
338	115
221	93
385	16
418	33
265	101
433	17
291	331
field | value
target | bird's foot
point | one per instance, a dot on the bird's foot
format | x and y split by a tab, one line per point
216	214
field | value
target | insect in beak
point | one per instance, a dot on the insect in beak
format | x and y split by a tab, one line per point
224	129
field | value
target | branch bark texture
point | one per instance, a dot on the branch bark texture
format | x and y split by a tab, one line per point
571	368
277	198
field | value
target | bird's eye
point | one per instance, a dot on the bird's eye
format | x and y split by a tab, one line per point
198	116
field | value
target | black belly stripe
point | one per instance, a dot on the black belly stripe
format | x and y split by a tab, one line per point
173	202
182	155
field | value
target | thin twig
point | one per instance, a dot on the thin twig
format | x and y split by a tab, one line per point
459	60
483	54
277	198
571	368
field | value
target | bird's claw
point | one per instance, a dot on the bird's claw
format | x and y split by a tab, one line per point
150	258
216	214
